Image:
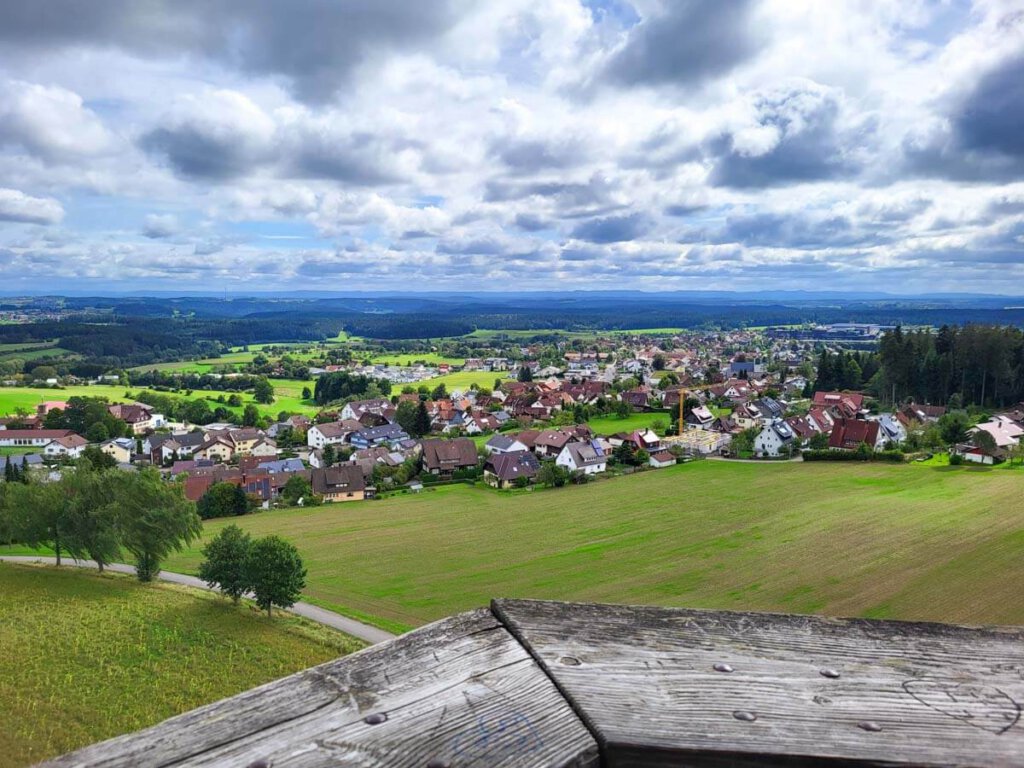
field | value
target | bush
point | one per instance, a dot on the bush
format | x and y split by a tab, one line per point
955	459
894	457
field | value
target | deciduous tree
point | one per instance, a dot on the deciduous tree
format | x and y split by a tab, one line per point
274	572
224	566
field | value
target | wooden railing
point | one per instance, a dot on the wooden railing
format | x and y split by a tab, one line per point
529	683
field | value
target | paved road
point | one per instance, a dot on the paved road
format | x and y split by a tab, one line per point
311	612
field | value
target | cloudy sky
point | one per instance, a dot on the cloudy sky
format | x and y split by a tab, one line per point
512	144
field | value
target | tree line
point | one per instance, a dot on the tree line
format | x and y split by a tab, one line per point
99	514
341	385
980	365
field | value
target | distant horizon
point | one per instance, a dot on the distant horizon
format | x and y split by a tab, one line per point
766	295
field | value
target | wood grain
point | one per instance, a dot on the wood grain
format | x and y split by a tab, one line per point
460	692
644	680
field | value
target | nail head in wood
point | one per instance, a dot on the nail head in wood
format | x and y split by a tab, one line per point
570	661
722	668
376	718
742	714
832	674
869	725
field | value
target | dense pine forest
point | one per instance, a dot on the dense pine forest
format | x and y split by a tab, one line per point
980	365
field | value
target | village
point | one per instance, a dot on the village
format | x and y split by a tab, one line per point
610	407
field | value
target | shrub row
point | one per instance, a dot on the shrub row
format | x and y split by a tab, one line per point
894	457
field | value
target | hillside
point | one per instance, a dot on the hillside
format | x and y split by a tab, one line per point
86	657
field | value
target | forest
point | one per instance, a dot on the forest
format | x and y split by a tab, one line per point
973	364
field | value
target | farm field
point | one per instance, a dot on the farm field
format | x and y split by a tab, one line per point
87	657
287	397
407	358
909	542
463	380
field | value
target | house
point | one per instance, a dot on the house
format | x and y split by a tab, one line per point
343	482
386	434
217	448
1005	432
804	427
244	440
502	470
504	444
281	466
588	458
700	417
637	399
121	448
191	466
848	434
915	413
844	405
34	438
978	455
359	408
892	428
746	416
661	459
644	439
769	409
774	439
320	435
164	448
137	416
550	442
70	446
50	405
442	457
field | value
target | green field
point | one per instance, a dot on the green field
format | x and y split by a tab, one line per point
609	425
406	358
86	657
288	396
463	380
910	541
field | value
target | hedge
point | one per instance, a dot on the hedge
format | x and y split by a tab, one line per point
894	457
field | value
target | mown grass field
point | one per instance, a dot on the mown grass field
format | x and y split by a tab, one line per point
407	358
86	657
287	396
910	542
609	425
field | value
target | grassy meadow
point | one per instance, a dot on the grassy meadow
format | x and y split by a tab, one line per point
287	396
911	542
86	657
609	425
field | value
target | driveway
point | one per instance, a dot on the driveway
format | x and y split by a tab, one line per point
336	621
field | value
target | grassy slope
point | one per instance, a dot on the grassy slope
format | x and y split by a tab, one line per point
86	657
910	542
287	396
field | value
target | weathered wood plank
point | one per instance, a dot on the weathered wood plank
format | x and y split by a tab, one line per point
461	692
801	690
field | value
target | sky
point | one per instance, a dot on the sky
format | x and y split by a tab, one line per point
350	145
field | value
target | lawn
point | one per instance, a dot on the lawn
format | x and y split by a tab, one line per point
912	542
86	657
609	425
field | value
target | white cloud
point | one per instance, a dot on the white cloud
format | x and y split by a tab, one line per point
17	206
510	141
